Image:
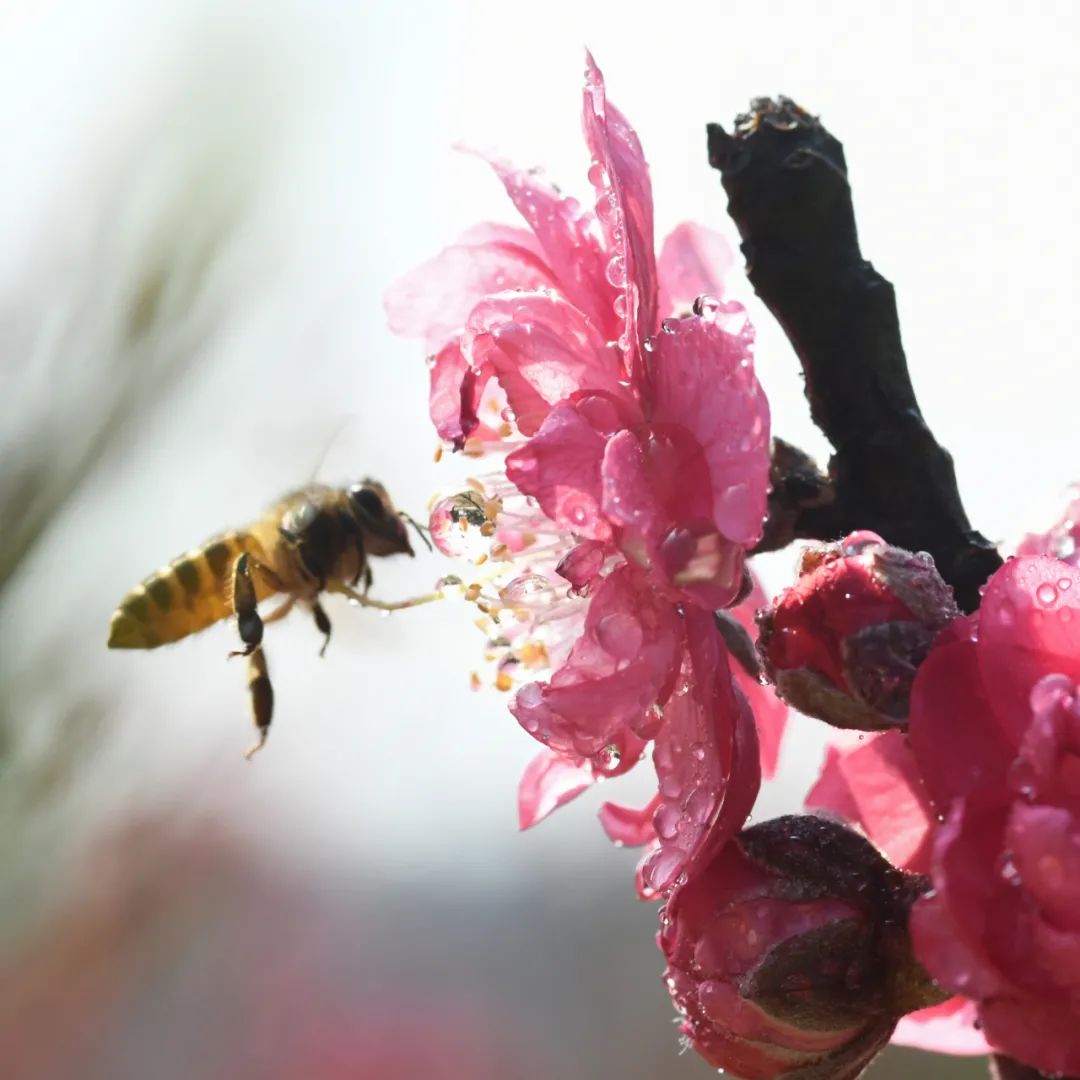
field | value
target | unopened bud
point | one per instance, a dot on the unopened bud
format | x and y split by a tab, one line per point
844	642
788	954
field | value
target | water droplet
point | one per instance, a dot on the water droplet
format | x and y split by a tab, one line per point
598	176
616	271
668	326
527	590
456	524
649	344
1064	584
698	751
620	305
707	306
1046	593
608	758
620	635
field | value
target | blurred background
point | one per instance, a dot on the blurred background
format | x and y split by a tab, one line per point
201	204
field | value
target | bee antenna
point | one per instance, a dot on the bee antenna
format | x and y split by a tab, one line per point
420	530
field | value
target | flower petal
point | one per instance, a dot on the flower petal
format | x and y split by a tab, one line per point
550	780
542	350
597	705
706	759
433	301
1029	626
456	391
570	239
954	729
560	468
882	781
693	262
620	176
948	1028
627	825
701	377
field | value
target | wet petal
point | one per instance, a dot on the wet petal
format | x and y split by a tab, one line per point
1029	626
706	759
693	262
571	241
598	704
434	300
1045	846
550	780
560	468
542	351
955	732
456	391
702	378
620	177
629	826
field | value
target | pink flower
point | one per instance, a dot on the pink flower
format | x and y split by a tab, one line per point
634	482
843	643
787	952
1062	539
995	729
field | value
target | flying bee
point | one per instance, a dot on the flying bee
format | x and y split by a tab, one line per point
318	539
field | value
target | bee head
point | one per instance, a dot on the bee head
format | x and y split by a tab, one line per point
380	524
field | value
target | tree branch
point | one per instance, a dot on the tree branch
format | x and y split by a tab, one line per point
788	193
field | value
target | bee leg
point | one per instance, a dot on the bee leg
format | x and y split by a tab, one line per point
262	698
245	605
363	600
280	611
368	580
322	621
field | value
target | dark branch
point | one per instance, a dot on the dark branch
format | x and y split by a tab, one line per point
788	193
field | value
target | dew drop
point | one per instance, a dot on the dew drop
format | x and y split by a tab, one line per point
1064	584
616	271
598	176
609	757
708	306
620	305
1046	593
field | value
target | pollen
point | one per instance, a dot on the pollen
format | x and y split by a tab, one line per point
533	654
474	681
488	529
505	431
473	448
503	682
438	454
472	593
479	561
475	485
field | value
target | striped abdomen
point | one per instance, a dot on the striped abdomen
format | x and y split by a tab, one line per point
186	596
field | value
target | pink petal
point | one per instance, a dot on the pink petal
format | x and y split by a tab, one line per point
550	780
1045	846
1029	626
702	378
455	394
948	1028
893	808
1040	1033
770	713
656	490
952	725
693	262
570	240
831	790
560	468
627	825
706	759
599	702
620	176
542	351
434	300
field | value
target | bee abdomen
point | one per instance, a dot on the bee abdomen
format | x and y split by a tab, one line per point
186	596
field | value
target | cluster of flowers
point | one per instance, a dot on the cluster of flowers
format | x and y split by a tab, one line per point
618	391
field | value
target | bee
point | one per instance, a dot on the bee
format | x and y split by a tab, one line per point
315	540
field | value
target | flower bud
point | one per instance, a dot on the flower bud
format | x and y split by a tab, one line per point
788	953
843	643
